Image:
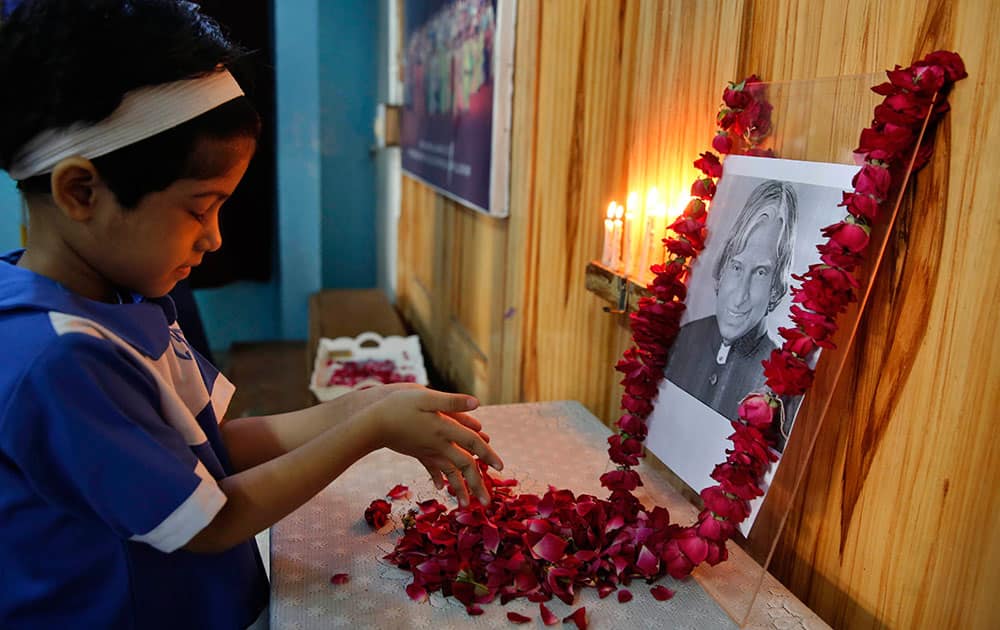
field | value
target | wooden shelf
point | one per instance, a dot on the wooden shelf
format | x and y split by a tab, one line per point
608	284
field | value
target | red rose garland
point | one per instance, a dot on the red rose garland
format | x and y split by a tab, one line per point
825	290
523	545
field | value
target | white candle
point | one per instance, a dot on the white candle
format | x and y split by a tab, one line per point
631	214
609	227
654	234
616	238
648	233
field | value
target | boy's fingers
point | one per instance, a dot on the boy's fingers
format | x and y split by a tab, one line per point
473	443
436	475
466	420
448	403
457	483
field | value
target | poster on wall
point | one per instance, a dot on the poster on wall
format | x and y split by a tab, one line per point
458	81
765	223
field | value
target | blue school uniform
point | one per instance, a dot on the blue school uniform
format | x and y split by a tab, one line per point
110	453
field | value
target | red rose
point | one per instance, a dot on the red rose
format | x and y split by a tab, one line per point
703	188
864	206
826	290
668	285
873	180
738	481
691	545
797	342
756	119
731	508
902	77
621	480
755	87
696	209
750	442
377	514
735	97
887	144
680	247
849	235
678	565
787	374
817	325
837	256
726	119
930	79
722	143
692	230
709	164
757	411
711	527
632	425
629	364
624	452
887	114
717	552
951	62
637	406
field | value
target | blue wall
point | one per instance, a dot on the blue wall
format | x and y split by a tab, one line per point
348	73
10	214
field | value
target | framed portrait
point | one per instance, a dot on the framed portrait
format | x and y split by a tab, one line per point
765	223
457	87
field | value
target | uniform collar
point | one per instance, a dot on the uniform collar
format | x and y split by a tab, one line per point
143	323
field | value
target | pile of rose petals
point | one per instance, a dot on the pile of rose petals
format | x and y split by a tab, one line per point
537	548
350	373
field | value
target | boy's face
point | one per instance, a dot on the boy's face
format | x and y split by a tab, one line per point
149	248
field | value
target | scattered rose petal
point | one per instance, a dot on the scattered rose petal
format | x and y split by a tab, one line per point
377	514
399	491
579	617
474	610
550	547
518	617
624	595
661	593
548	617
416	592
340	578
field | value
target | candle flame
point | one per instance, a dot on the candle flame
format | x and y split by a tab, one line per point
619	211
632	202
653	197
611	210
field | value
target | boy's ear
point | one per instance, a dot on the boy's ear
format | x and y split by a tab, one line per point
75	187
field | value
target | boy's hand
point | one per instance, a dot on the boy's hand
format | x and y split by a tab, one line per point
433	427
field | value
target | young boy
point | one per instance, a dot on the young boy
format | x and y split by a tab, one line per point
125	500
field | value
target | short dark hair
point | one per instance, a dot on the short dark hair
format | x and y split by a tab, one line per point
770	193
69	61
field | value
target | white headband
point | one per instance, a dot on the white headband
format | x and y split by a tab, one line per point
143	113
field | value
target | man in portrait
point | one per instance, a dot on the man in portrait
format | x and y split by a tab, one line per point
717	359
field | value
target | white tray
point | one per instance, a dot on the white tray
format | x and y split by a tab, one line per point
404	352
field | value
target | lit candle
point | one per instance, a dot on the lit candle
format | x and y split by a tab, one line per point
616	237
631	213
607	252
648	240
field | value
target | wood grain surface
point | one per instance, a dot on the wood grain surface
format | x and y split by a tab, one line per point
898	521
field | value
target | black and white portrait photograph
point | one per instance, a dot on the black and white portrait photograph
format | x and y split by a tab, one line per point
763	225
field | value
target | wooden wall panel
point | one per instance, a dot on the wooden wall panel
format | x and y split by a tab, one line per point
899	524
